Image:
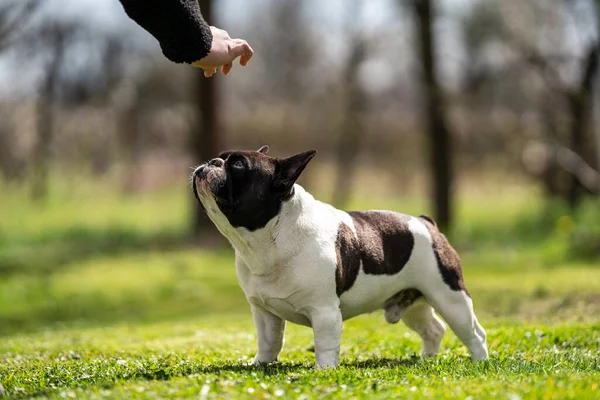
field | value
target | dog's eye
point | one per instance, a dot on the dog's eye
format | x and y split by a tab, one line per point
238	164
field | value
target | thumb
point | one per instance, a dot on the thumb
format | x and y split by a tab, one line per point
208	72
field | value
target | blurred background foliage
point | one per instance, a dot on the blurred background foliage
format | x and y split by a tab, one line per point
482	113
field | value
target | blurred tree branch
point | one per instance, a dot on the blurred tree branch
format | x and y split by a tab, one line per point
580	101
572	162
13	16
553	153
440	139
351	129
56	37
578	96
205	139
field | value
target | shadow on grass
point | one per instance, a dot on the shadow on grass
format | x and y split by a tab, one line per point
162	373
383	362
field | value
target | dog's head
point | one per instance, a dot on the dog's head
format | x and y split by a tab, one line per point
248	187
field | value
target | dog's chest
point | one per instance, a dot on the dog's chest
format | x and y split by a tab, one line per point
294	273
280	293
281	307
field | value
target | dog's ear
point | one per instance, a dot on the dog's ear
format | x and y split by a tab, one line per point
264	149
288	170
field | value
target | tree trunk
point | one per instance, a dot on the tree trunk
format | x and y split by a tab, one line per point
596	125
434	113
553	176
45	123
580	104
596	98
205	141
129	135
41	157
351	129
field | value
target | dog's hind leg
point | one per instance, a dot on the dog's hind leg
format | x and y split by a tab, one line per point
421	318
456	307
444	289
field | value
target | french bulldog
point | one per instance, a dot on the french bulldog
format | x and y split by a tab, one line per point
304	261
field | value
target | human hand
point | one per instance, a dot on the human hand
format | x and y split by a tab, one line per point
223	52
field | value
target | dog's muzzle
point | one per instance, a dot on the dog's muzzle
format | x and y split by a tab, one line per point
210	175
203	171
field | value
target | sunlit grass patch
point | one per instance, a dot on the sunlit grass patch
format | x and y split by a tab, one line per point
211	356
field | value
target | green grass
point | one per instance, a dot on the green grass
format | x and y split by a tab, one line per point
182	283
103	296
210	357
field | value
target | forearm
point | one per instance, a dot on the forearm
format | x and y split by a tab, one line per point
178	26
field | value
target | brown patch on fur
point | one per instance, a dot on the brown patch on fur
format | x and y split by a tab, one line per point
382	242
396	305
447	258
386	242
348	261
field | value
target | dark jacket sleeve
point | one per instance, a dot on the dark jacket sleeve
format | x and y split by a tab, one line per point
178	26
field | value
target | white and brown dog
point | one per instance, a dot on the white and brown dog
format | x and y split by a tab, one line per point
304	261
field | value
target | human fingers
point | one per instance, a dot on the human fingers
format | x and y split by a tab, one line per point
243	50
226	68
208	72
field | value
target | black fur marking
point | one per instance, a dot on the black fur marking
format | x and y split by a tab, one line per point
253	186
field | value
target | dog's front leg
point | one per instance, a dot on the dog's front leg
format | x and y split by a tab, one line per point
269	330
327	328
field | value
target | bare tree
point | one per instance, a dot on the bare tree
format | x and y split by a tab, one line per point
13	16
354	97
579	99
205	142
565	172
580	102
12	165
434	113
289	52
56	38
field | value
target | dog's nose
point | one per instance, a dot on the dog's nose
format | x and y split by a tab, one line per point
198	170
217	162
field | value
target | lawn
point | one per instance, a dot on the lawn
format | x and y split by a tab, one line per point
209	357
102	297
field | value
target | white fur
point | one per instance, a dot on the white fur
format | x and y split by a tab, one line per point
287	272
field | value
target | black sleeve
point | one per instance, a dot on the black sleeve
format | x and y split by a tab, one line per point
178	26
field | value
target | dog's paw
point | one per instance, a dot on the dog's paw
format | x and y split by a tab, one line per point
262	361
427	354
325	366
482	356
